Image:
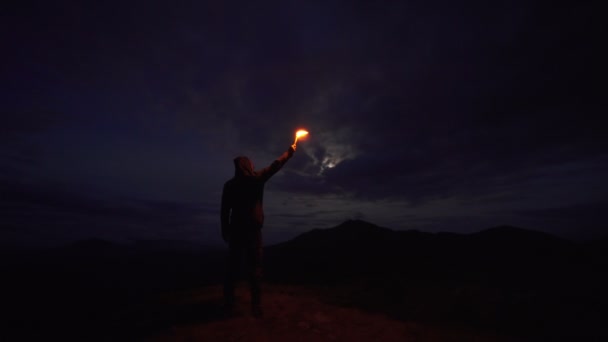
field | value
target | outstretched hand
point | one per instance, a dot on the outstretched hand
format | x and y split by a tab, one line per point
291	150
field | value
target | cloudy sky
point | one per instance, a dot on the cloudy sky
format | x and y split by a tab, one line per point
120	121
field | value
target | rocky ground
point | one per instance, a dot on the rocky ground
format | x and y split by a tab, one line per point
290	314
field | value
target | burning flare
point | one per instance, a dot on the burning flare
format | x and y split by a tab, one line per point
300	134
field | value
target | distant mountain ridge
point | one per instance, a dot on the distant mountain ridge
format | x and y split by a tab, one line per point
352	231
357	247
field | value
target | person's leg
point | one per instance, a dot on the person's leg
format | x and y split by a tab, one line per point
255	251
235	257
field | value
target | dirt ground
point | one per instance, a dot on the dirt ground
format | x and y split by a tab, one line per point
290	314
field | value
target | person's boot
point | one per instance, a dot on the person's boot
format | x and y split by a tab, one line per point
229	308
256	311
256	304
229	301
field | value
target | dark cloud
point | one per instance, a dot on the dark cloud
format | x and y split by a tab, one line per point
21	145
471	106
582	221
45	214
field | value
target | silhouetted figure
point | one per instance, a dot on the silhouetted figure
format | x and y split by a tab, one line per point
242	217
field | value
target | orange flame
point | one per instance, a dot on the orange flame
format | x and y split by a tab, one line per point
299	134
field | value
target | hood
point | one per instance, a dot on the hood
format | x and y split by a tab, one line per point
243	167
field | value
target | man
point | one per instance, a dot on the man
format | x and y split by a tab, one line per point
242	217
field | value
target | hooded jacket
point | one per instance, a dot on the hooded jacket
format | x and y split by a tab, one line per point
242	197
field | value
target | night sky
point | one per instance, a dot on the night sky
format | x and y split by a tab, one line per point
120	121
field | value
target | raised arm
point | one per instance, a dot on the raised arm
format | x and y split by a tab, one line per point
276	165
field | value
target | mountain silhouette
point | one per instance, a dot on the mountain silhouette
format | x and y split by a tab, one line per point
350	234
358	233
518	236
357	247
93	247
507	280
504	278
